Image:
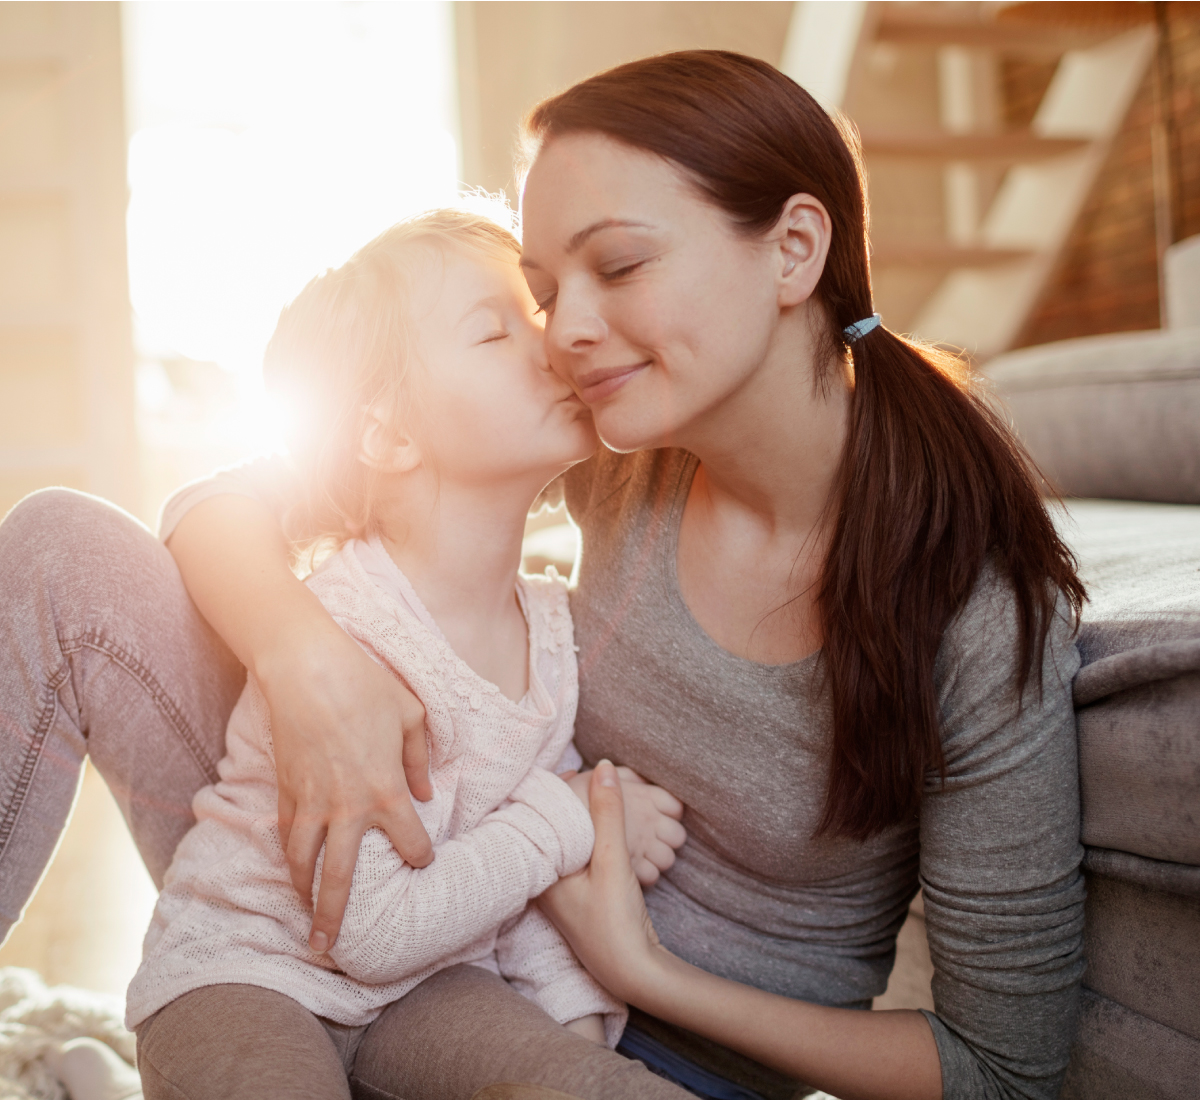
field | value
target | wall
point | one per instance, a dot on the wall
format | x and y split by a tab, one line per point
511	55
66	383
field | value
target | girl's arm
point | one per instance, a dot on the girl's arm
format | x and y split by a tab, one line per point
402	920
852	1054
345	732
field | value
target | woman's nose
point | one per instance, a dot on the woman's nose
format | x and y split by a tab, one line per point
574	326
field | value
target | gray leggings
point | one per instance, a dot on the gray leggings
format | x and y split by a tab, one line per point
457	1032
102	653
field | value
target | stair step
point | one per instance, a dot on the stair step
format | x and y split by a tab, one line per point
906	28
943	255
1014	147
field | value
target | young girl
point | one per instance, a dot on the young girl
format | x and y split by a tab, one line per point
426	423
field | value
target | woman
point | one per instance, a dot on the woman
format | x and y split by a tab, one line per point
819	600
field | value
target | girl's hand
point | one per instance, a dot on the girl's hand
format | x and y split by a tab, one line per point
600	910
346	734
652	828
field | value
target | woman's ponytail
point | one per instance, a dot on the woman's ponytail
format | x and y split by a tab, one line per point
932	484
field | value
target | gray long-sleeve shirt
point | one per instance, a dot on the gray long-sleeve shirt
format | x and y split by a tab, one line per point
753	895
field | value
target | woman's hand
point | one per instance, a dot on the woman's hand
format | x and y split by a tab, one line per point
346	733
600	910
652	828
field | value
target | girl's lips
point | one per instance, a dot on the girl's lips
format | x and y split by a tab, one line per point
598	384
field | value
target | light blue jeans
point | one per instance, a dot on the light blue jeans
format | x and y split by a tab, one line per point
102	653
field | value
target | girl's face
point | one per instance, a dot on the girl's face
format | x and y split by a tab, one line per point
494	410
657	308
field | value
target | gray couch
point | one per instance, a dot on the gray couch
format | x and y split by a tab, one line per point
1116	420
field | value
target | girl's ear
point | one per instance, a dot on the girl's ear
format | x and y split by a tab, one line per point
385	451
802	235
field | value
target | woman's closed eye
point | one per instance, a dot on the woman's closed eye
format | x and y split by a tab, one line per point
622	271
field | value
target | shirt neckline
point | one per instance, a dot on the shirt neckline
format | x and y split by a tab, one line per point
536	699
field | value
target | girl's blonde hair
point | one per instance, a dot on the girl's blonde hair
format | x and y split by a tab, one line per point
341	354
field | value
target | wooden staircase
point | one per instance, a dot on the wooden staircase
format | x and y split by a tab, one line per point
982	131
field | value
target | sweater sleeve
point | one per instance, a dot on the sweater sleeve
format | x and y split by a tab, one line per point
400	920
535	959
269	480
1000	858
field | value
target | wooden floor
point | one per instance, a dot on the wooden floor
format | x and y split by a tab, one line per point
85	924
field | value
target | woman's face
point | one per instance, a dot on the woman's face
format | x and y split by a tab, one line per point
657	307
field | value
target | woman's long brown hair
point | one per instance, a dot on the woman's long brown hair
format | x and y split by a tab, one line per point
932	483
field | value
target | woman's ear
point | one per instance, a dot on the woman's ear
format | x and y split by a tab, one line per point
802	235
384	450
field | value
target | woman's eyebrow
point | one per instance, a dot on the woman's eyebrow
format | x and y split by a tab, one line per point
596	227
582	236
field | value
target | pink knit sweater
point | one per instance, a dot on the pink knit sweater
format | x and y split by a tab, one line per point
503	825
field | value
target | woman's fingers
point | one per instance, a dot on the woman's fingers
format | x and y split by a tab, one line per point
287	816
415	753
337	874
303	847
400	821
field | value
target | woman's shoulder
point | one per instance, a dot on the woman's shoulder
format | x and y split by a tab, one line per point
980	671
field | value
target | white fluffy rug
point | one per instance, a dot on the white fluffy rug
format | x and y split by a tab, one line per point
35	1022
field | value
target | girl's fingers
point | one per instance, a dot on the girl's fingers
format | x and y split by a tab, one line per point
628	775
661	856
666	803
670	832
647	873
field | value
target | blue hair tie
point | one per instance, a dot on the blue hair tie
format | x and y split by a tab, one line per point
859	329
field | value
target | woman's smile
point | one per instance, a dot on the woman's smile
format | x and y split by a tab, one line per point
595	385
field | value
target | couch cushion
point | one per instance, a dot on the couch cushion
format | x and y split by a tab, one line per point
1143	951
1138	692
1110	416
1122	1055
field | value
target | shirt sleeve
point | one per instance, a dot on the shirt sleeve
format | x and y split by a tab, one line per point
535	959
400	920
1000	857
269	479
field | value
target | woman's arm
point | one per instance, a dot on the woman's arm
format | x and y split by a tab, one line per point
346	733
852	1054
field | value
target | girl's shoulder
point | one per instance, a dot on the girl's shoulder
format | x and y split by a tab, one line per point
548	610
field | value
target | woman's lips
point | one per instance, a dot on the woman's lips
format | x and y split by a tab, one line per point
596	385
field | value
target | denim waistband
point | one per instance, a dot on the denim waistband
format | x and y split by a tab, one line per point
677	1069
